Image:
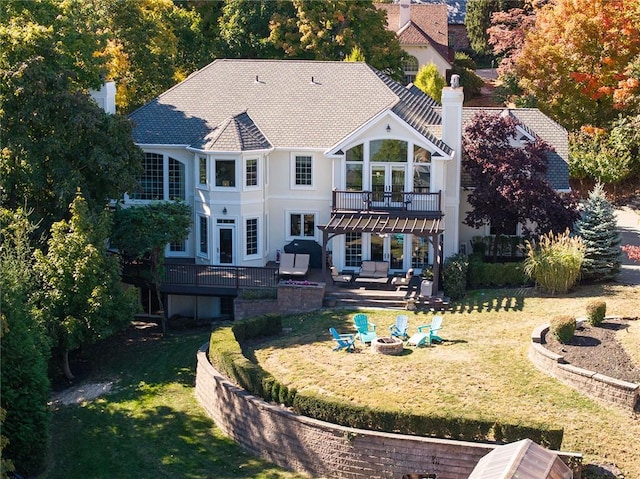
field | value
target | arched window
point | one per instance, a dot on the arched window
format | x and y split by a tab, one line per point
410	67
410	64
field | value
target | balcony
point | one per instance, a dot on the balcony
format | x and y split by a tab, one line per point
398	203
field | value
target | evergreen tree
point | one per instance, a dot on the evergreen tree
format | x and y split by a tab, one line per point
597	228
24	386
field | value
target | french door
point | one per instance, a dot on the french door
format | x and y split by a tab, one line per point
388	248
387	184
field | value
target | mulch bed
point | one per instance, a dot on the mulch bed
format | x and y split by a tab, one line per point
597	349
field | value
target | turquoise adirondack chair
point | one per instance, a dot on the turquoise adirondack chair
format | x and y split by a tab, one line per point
427	333
366	330
399	329
343	341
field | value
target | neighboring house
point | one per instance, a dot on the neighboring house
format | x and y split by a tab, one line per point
457	10
422	30
273	151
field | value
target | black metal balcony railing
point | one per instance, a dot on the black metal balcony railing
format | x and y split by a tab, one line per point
234	277
411	202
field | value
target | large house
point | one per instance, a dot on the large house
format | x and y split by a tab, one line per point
423	33
270	152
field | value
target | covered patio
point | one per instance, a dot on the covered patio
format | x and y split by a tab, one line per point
386	223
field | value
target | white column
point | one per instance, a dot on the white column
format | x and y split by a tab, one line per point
452	98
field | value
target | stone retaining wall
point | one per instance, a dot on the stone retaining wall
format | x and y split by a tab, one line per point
595	385
292	298
322	449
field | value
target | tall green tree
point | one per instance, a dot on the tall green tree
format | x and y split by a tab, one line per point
330	30
597	228
244	28
81	297
55	138
24	385
145	231
153	44
478	20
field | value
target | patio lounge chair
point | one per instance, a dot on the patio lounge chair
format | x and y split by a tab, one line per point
340	279
366	330
399	329
427	333
344	341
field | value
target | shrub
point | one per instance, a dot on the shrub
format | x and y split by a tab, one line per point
454	276
563	327
554	264
596	311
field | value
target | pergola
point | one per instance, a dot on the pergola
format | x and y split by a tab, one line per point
384	224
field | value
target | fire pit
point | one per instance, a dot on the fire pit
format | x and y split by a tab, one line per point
392	346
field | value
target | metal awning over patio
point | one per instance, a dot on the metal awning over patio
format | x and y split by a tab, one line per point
385	223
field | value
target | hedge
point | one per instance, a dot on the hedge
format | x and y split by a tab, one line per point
488	275
225	353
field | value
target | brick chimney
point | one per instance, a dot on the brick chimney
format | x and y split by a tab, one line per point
404	14
452	98
105	97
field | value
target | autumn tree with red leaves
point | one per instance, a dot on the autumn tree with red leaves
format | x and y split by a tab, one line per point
510	184
582	60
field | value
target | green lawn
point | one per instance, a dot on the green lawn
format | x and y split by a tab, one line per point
152	425
481	370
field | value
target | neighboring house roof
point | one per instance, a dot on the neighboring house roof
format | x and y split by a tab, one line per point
238	105
456	9
536	123
428	25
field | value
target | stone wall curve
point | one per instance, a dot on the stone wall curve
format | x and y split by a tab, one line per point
591	383
322	449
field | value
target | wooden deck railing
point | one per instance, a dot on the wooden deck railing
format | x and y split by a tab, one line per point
411	202
234	277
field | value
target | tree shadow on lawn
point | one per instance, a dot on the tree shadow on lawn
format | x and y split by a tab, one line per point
150	441
507	300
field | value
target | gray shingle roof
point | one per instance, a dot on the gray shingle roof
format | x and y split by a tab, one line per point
537	123
248	104
235	134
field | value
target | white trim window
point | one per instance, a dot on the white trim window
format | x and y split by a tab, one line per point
225	173
203	236
163	178
252	240
302	172
251	174
203	177
301	225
